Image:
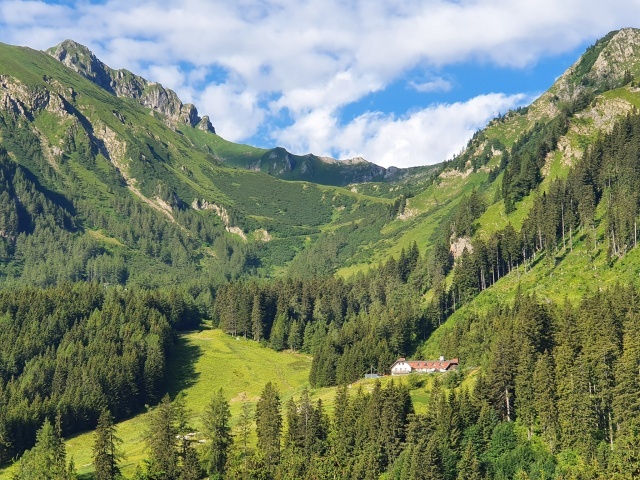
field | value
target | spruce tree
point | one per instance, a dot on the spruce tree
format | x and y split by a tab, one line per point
106	453
218	433
469	467
47	459
191	469
269	424
244	426
161	439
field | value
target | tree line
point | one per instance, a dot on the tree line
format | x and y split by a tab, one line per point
76	349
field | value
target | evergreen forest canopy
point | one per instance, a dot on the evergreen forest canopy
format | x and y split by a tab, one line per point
120	231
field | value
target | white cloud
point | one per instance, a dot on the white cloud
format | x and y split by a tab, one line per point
437	84
313	57
423	137
170	76
234	113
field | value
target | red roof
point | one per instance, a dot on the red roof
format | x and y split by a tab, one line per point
429	364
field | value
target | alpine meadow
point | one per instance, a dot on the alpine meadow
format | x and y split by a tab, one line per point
174	305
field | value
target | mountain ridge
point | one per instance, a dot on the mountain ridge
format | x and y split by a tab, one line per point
275	161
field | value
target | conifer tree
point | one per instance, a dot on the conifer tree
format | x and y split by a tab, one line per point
181	416
47	459
218	432
626	401
191	469
469	467
341	437
244	425
544	387
106	453
257	317
161	439
269	424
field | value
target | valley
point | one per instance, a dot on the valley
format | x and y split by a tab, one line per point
142	255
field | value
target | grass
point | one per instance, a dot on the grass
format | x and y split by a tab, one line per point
207	360
569	276
430	207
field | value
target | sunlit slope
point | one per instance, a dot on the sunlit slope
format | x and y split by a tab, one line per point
207	360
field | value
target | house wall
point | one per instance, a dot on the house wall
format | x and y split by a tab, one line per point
400	368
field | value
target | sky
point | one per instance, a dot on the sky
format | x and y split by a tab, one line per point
398	82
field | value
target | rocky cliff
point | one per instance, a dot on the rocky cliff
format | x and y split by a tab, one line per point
123	83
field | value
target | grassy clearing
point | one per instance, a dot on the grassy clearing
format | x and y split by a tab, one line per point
207	360
203	362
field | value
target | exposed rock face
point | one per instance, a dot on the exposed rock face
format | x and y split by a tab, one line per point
205	124
21	99
621	51
123	83
459	245
602	66
221	212
82	60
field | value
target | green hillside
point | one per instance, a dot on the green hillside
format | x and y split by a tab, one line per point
101	156
205	361
518	257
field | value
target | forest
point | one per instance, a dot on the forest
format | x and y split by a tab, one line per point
558	399
97	287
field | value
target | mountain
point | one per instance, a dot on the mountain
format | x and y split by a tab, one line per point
276	162
519	257
121	165
123	83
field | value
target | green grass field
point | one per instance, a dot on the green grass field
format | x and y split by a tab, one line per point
203	362
207	360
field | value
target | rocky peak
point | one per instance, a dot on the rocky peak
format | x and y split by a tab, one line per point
123	83
603	66
620	54
80	59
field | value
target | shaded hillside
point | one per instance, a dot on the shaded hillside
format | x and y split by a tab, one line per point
133	187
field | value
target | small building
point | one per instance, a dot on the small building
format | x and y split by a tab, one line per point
403	366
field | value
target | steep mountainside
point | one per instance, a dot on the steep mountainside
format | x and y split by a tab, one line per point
276	162
126	187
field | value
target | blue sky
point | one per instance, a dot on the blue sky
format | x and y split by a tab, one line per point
399	82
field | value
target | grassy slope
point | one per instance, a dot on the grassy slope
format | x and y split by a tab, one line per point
207	360
185	160
571	274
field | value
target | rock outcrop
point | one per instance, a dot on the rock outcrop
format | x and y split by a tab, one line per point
123	83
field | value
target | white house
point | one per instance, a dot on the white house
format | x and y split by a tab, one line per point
403	366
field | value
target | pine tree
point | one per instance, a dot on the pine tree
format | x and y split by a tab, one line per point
218	432
106	453
269	424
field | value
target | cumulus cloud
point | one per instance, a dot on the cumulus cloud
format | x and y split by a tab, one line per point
307	60
426	136
234	112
